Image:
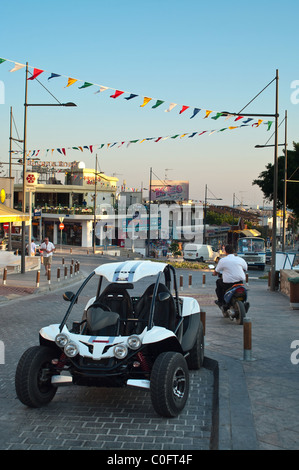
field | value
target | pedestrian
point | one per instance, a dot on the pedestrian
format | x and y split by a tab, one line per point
32	248
47	248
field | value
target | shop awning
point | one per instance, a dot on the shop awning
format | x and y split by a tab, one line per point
250	233
11	215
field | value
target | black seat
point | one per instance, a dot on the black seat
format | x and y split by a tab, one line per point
116	297
165	311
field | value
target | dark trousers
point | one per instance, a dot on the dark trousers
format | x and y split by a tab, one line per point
222	287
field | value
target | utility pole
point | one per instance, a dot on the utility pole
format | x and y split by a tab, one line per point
23	254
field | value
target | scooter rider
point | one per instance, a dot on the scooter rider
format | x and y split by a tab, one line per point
233	270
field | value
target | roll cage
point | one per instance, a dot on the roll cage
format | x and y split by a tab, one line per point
121	273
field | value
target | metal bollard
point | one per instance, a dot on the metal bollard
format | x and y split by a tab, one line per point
62	261
246	279
181	282
203	280
247	340
4	276
37	278
49	275
71	270
71	250
65	272
58	274
78	266
190	280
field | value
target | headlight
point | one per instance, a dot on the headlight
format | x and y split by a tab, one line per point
120	351
61	340
134	342
71	350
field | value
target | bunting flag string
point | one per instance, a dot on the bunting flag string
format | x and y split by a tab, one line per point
118	92
91	148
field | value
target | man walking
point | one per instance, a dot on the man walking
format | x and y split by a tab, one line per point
47	249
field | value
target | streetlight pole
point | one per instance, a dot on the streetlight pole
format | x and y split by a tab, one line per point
285	181
23	256
24	175
275	188
275	181
149	214
95	205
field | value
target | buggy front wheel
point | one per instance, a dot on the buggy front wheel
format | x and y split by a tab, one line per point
33	377
169	384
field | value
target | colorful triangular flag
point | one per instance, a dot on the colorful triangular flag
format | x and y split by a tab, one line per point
132	95
117	94
36	73
195	111
183	109
53	75
146	100
71	81
85	85
158	103
17	67
171	106
207	113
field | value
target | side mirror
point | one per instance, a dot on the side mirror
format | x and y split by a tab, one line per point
68	296
162	296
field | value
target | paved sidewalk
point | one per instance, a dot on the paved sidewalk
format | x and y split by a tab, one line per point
256	401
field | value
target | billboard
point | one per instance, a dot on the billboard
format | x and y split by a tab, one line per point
172	190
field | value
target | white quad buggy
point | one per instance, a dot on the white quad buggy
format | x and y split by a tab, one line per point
147	340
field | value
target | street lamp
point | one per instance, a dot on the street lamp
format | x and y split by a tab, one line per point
275	181
26	104
285	180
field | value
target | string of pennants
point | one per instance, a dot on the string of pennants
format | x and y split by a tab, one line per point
119	144
146	99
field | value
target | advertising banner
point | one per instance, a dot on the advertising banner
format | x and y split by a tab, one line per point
172	190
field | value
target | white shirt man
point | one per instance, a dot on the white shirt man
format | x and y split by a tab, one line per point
232	269
47	248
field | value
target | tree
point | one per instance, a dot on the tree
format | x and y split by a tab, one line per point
265	180
174	249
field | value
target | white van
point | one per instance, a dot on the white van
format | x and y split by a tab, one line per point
194	252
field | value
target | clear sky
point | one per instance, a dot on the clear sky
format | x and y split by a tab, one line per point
209	55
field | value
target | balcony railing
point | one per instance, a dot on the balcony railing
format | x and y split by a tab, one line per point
67	210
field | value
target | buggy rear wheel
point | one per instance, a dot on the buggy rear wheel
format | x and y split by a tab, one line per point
33	377
169	384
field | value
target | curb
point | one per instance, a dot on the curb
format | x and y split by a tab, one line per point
28	292
233	422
